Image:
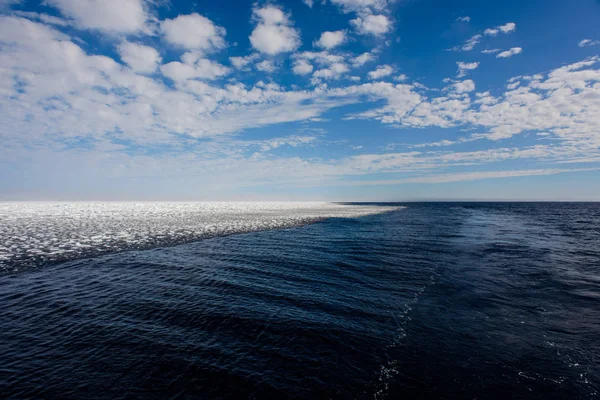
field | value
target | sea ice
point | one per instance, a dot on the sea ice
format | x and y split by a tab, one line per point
33	233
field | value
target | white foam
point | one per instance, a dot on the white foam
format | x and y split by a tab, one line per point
36	232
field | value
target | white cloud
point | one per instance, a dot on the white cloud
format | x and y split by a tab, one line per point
335	71
93	95
273	34
302	67
48	19
308	3
471	43
463	67
561	113
370	24
322	58
5	4
52	20
193	67
178	71
266	66
112	16
140	58
401	78
401	99
270	15
193	32
588	42
329	40
381	72
362	59
510	53
441	143
476	39
491	51
464	19
465	86
359	5
508	27
55	94
292	141
565	104
243	62
477	175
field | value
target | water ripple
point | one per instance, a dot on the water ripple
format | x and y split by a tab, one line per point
429	301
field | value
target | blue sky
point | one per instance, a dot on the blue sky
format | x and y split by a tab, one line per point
300	100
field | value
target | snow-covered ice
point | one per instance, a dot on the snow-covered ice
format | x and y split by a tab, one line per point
33	233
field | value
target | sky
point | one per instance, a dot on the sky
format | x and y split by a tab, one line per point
342	100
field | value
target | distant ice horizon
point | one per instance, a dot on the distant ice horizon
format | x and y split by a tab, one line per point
33	233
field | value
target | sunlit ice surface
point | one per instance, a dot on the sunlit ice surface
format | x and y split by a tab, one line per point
34	233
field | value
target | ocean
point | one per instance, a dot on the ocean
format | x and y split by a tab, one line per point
299	300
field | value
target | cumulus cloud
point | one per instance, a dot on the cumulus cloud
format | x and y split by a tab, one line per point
202	69
36	55
510	52
464	19
370	24
506	28
362	59
112	16
564	103
57	94
194	66
361	5
463	67
381	72
273	33
465	86
242	62
309	3
266	66
372	16
140	58
334	71
193	32
329	40
322	58
302	67
94	95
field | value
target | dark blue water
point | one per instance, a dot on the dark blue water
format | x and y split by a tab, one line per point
432	301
